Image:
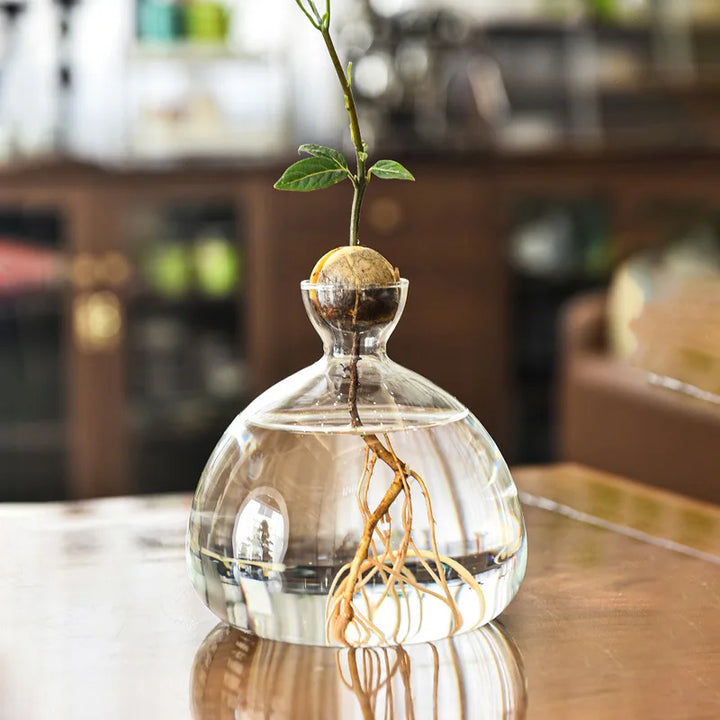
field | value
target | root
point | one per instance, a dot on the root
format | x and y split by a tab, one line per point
369	673
375	558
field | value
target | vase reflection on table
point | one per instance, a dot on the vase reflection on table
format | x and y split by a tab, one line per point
475	675
375	503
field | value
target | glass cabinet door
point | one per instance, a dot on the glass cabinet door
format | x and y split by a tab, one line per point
186	337
33	423
558	247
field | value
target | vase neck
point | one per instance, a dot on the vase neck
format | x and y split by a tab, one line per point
360	343
354	321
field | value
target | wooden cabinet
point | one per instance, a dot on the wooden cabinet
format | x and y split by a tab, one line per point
448	233
114	438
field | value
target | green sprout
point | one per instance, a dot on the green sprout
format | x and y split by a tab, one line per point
326	166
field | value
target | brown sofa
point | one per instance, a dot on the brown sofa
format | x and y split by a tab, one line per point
612	418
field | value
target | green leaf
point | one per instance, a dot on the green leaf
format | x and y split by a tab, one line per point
325	152
390	170
314	173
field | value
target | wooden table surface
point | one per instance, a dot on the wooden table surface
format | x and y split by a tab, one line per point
618	617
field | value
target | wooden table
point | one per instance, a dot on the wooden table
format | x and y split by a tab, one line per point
619	617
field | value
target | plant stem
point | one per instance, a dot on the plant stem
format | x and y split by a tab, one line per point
312	20
360	179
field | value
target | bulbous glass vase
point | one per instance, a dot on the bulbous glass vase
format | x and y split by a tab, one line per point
355	502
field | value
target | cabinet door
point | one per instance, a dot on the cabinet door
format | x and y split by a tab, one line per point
33	359
185	345
558	247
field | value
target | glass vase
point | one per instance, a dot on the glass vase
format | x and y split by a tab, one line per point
355	502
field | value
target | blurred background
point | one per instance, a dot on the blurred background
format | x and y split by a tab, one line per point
561	240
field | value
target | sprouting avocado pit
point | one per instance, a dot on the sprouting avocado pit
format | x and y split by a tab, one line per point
357	288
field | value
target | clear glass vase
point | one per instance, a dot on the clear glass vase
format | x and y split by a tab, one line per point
355	502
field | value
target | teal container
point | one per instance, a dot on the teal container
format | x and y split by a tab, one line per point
159	22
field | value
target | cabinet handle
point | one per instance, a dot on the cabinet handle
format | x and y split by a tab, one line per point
111	269
97	321
83	270
385	215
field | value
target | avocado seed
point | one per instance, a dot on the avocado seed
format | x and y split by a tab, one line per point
357	288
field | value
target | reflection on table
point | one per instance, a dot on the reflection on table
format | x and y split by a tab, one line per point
618	617
475	675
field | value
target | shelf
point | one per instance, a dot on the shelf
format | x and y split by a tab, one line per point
22	436
629	26
560	29
183	417
189	52
32	304
150	302
556	285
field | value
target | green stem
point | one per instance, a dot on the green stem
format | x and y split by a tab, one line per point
358	193
360	179
315	24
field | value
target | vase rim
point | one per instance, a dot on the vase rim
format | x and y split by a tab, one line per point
400	284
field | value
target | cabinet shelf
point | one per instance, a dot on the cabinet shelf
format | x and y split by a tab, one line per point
183	416
20	436
142	302
191	52
627	26
32	304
